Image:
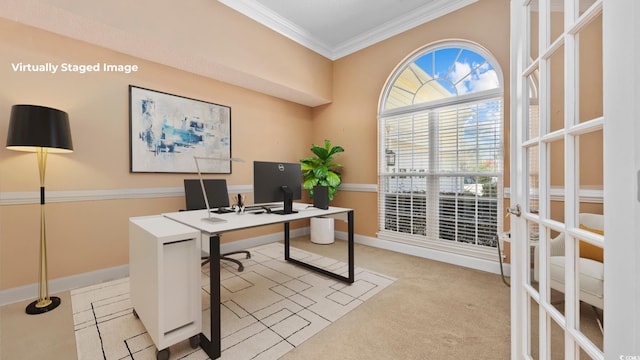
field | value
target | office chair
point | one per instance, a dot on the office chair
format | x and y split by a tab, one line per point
215	189
226	257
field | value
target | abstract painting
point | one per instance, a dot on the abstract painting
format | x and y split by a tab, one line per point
168	131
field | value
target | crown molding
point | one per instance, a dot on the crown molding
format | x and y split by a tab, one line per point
399	25
277	23
274	21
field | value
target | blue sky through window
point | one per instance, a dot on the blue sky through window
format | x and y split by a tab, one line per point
459	70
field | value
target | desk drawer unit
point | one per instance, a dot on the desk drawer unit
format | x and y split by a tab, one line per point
164	277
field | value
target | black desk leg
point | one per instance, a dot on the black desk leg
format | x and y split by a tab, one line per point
351	247
212	346
287	241
348	279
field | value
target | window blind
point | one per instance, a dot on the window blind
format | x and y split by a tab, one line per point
441	178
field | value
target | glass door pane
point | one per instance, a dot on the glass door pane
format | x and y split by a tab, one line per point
533	127
534	180
556	180
584	5
556	19
557	341
590	79
556	91
533	345
534	20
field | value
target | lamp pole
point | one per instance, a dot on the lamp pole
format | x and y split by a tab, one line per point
44	302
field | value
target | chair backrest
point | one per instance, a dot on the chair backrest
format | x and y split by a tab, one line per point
593	221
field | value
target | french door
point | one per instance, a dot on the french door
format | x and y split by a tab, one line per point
567	161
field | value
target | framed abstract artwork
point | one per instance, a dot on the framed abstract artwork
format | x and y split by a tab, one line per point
167	131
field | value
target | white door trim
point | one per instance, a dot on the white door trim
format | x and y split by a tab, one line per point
622	163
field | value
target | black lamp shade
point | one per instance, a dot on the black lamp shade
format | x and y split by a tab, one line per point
32	127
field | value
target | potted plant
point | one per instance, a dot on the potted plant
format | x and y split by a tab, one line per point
322	171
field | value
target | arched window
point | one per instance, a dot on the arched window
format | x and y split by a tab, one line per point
441	150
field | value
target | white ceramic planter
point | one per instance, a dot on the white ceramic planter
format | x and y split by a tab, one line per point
322	230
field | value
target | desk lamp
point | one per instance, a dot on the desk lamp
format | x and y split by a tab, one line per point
204	192
41	130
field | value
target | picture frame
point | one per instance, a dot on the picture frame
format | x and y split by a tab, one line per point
167	131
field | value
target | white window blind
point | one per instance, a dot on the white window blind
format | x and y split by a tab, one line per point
441	176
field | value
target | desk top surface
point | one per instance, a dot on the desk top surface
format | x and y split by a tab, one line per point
198	219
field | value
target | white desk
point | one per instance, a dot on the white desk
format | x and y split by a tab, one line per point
234	222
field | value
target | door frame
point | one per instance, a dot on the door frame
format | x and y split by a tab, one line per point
621	47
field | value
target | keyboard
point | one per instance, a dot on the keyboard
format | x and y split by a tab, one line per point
222	211
257	207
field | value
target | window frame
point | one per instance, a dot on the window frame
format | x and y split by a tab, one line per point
483	96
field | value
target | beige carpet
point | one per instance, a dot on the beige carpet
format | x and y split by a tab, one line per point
432	311
48	335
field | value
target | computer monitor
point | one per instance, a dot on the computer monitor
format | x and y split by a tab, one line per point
277	181
216	190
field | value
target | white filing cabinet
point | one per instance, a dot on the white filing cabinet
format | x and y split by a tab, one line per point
164	276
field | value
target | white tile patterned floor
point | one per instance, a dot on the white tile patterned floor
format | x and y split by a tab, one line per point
266	310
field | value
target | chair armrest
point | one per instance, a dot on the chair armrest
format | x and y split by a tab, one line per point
556	248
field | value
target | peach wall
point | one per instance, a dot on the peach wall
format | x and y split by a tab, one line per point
351	119
91	235
205	37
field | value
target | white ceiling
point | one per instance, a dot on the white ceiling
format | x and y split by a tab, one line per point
336	28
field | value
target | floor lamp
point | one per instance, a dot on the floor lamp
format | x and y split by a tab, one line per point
41	130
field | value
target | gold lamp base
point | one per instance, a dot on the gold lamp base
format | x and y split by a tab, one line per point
43	305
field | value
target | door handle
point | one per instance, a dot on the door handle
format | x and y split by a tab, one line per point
514	210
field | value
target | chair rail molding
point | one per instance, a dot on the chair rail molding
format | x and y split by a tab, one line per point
587	194
33	197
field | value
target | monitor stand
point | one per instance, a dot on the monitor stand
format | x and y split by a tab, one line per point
288	202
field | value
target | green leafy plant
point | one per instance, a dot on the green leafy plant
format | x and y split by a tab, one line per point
321	170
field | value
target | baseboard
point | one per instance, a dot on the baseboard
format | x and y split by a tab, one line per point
26	292
447	257
59	285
